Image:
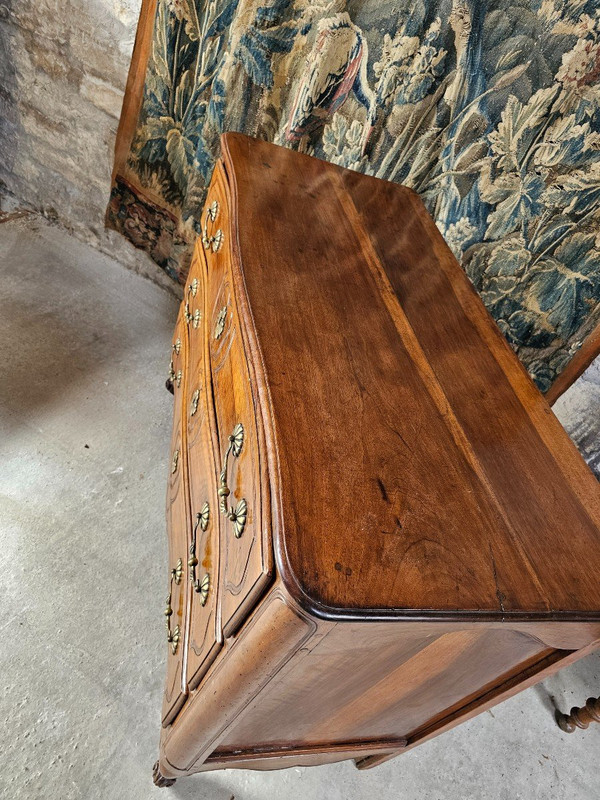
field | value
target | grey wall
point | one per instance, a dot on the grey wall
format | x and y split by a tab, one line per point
63	68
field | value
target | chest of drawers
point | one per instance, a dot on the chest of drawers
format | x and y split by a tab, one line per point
377	527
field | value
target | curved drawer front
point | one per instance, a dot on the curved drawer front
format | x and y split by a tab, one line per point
205	636
177	527
243	501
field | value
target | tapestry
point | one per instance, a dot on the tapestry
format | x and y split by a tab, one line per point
489	110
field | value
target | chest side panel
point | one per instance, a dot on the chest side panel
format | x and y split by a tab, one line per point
371	683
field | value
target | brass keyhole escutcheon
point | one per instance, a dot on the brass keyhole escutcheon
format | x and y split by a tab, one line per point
193	317
220	323
194	402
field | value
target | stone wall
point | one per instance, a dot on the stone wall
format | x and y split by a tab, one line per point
63	68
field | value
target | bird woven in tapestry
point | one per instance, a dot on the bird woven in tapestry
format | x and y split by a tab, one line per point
489	110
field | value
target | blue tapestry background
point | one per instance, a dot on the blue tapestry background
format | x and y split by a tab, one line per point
489	110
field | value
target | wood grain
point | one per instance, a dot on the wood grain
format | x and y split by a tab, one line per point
389	682
417	517
413	477
527	677
582	359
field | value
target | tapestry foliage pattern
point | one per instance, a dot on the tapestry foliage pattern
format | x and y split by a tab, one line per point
489	110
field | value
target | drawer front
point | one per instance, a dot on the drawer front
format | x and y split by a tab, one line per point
205	636
243	499
177	527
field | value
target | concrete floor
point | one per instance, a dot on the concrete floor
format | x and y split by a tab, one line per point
84	432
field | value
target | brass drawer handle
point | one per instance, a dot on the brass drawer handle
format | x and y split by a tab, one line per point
177	572
238	514
193	317
174	377
174	462
216	240
213	210
173	636
213	242
200	586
